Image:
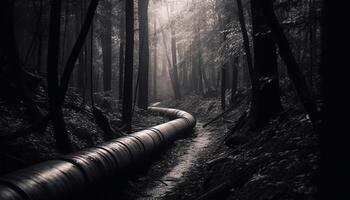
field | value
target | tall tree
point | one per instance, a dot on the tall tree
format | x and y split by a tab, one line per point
170	70
57	92
107	45
223	22
223	86
266	102
121	51
234	85
82	54
248	56
143	54
286	54
78	45
11	70
40	36
61	135
174	70
155	61
128	75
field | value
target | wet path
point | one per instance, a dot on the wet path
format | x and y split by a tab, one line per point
174	166
185	162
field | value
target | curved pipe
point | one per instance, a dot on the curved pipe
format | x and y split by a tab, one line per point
66	177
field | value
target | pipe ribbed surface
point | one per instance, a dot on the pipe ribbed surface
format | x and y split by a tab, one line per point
71	175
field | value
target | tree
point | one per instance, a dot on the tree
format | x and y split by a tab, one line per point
292	66
11	70
78	45
223	86
107	45
56	91
81	82
170	69
174	70
155	61
234	85
129	51
61	135
121	51
248	56
143	54
266	102
224	67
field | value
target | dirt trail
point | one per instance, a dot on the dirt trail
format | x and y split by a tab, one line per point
180	171
192	150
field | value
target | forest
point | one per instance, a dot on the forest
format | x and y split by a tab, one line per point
173	99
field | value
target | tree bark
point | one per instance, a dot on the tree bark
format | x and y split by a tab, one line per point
40	38
76	50
234	79
292	66
170	71
223	86
224	67
143	54
174	57
11	71
253	78
81	67
61	135
107	46
266	102
174	66
155	61
128	76
121	52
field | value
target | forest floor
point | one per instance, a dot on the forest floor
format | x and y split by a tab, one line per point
277	162
26	150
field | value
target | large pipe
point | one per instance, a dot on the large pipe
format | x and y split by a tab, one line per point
70	176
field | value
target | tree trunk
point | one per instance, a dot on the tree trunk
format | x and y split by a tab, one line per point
234	79
11	71
143	54
194	71
121	52
89	63
61	135
155	61
253	78
81	67
107	46
170	70
76	50
201	73
128	76
292	66
40	38
224	67
174	57
223	86
174	67
266	102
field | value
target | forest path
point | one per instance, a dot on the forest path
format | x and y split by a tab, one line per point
179	169
186	155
